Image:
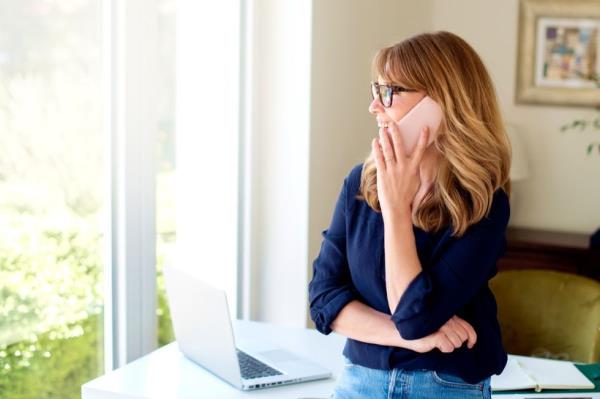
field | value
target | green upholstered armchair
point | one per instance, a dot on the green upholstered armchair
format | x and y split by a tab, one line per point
547	313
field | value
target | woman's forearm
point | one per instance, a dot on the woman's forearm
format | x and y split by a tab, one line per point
363	323
401	259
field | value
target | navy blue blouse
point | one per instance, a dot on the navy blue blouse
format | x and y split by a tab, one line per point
454	281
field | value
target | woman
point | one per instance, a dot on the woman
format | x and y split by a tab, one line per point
404	267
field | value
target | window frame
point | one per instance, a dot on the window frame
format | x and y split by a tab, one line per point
129	55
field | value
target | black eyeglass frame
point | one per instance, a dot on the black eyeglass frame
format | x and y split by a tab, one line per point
389	94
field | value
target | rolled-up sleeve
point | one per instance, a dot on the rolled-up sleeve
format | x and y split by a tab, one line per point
439	291
331	286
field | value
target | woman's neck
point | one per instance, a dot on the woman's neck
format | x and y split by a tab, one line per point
429	168
427	173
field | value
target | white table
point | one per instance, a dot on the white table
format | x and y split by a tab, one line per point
166	373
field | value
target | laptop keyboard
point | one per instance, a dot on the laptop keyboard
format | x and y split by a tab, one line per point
254	368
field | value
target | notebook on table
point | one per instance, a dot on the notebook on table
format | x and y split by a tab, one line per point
529	377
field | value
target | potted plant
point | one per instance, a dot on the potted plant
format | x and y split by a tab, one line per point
587	124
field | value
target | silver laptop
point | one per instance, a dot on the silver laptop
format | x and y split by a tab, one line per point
204	333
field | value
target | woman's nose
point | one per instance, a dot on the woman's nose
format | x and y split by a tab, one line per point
375	106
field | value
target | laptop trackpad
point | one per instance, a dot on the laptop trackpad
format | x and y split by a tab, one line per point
279	355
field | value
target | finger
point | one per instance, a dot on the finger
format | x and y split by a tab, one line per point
455	339
452	336
458	328
455	332
388	151
421	146
378	155
444	344
470	331
399	149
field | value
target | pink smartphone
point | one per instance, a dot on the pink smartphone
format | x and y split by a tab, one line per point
426	113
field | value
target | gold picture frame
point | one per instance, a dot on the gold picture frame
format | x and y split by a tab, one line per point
559	52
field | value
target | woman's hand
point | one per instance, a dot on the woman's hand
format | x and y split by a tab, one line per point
397	174
449	337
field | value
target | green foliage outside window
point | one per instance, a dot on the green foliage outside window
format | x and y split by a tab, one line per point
51	299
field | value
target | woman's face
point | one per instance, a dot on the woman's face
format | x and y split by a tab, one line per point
402	102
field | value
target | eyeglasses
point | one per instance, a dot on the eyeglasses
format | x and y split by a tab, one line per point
386	92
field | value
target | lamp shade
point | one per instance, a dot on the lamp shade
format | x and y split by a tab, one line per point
519	169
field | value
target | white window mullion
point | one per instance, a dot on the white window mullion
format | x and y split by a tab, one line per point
131	119
245	167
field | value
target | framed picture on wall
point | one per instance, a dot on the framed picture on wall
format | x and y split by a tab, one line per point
559	52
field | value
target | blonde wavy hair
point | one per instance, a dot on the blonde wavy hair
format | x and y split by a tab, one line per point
472	139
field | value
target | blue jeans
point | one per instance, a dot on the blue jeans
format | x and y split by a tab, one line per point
363	382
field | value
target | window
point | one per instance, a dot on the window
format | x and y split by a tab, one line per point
65	85
165	174
51	197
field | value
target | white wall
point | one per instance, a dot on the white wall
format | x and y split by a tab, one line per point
207	142
306	136
346	35
563	191
279	112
